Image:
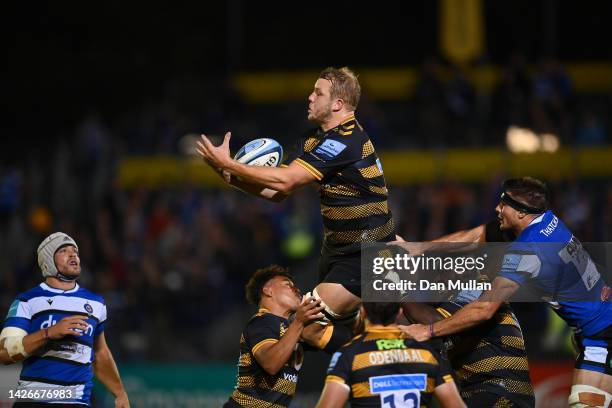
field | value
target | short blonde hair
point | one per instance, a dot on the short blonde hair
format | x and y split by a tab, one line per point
344	85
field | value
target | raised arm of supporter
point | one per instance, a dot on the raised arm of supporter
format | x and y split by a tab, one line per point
16	344
460	240
470	315
279	179
106	371
273	356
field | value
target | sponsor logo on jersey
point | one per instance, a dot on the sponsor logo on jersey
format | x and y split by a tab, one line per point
290	377
398	382
379	164
511	262
388	344
52	322
330	149
334	360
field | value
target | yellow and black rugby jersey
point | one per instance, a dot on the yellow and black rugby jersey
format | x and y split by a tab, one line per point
383	368
256	388
491	359
353	191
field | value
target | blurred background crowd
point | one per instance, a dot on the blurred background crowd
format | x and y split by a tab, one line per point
163	255
171	257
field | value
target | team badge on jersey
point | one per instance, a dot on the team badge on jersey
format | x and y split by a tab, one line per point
88	308
330	149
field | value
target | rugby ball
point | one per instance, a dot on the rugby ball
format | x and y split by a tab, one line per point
260	152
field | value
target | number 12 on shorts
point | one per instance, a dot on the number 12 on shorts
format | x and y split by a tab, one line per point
399	391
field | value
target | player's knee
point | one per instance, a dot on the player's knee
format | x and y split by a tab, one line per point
583	396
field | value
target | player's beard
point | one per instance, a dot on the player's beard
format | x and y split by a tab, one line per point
70	271
320	116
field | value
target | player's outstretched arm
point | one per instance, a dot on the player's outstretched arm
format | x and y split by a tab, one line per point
334	395
272	357
448	395
280	179
461	240
16	344
470	315
256	189
106	371
248	187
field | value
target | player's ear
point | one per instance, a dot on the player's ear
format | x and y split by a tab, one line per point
267	290
337	105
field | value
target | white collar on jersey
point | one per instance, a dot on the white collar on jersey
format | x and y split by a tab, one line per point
536	220
54	290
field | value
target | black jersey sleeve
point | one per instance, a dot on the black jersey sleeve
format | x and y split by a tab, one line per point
295	151
339	367
261	330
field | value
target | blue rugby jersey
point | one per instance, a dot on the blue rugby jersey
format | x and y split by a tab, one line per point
552	263
64	364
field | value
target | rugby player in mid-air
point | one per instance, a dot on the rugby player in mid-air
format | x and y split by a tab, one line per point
270	353
384	368
546	258
339	157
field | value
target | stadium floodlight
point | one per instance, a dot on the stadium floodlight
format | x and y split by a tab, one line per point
522	140
549	142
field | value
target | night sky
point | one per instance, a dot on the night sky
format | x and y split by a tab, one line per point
63	58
